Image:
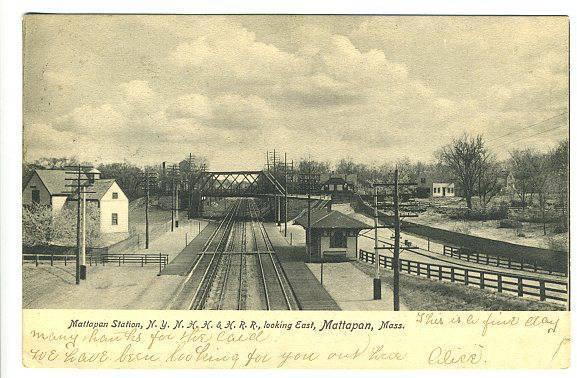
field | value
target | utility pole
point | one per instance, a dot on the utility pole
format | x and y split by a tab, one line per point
397	246
148	177
396	251
285	195
174	197
83	250
78	188
377	279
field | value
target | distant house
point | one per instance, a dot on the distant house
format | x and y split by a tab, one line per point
48	187
333	234
434	187
339	186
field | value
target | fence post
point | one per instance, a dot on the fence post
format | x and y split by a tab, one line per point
36	259
498	260
482	280
499	283
119	256
477	257
52	259
522	264
520	286
452	274
428	271
509	262
429	244
487	256
440	273
141	261
542	294
159	262
418	268
466	277
65	258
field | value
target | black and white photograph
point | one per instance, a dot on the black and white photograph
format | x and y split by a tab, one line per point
295	162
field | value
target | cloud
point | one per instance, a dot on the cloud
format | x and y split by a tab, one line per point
88	119
191	105
233	111
374	88
137	90
230	52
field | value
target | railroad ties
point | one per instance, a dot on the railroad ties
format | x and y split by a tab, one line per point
237	268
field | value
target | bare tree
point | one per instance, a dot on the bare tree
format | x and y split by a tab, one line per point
523	165
466	158
489	182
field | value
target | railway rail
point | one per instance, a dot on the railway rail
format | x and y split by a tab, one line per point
237	268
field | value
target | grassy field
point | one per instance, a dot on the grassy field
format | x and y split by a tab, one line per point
532	232
420	294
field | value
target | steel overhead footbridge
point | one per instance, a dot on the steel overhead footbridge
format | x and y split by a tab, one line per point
246	184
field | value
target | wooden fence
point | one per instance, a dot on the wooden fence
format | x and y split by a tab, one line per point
522	286
505	262
141	259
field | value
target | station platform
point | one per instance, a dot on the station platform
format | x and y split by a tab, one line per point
311	295
182	263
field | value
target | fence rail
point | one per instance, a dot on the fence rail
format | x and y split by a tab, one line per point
495	260
536	288
141	259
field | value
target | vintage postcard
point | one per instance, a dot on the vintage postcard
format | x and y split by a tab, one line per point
282	191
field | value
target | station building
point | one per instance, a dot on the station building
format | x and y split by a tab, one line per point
334	234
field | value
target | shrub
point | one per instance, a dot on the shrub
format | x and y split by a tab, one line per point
494	213
37	225
510	223
41	227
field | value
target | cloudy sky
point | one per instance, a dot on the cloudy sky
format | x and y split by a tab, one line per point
152	88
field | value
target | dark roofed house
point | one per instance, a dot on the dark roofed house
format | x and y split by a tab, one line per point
333	234
48	187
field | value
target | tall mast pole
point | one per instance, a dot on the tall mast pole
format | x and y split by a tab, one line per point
146	237
83	249
396	252
78	247
377	279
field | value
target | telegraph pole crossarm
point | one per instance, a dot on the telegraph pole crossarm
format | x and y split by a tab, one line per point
80	181
396	248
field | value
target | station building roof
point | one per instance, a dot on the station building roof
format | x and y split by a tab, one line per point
331	219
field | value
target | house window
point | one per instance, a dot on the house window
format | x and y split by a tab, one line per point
115	219
114	195
338	239
35	196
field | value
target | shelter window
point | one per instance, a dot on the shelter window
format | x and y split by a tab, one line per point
338	239
114	195
114	219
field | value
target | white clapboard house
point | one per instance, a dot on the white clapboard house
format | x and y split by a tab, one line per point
48	187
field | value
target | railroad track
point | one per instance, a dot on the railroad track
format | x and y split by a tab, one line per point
277	292
227	276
